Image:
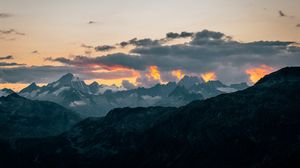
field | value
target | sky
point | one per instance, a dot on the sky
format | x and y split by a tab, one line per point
145	42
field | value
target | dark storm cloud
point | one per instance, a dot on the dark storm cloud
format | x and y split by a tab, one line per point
11	31
144	42
5	15
147	42
32	74
186	34
8	57
6	64
111	60
207	37
140	42
104	48
46	74
207	51
124	44
172	35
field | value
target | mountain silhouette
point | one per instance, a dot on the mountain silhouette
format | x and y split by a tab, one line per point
256	127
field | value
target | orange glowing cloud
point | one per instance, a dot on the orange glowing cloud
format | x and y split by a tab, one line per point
209	76
178	74
153	73
257	73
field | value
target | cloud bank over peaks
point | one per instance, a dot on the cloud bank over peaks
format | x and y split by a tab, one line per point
210	53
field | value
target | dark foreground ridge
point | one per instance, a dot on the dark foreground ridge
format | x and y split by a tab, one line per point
21	117
256	127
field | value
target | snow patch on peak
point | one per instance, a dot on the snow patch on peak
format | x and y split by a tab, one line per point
58	91
55	84
226	89
113	88
151	98
77	103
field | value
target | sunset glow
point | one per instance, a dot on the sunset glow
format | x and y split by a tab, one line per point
209	76
178	74
153	73
257	73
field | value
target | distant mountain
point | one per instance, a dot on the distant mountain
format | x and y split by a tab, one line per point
5	92
212	88
20	117
30	90
189	81
97	99
70	81
257	127
94	87
179	96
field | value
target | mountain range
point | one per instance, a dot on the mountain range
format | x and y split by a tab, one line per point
96	100
5	92
256	127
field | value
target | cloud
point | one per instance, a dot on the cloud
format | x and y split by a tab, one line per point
128	85
298	25
11	31
172	35
46	74
208	51
281	14
148	41
111	61
5	15
6	64
256	73
92	22
140	42
104	48
8	57
35	52
38	74
86	46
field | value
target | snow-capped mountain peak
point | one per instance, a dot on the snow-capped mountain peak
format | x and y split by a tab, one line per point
71	81
189	81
